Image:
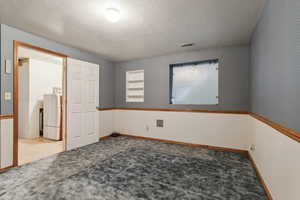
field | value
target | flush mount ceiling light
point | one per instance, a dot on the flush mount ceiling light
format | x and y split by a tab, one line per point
112	14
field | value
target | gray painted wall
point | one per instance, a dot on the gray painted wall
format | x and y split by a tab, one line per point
275	58
233	78
8	34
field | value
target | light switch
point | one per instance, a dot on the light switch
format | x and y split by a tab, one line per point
8	67
7	96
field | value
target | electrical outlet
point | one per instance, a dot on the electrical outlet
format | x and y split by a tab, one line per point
252	147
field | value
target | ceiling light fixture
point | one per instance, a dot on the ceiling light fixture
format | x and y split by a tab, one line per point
113	14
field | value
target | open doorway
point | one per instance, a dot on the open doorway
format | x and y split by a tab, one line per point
40	104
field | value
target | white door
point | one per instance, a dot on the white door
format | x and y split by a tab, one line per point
82	102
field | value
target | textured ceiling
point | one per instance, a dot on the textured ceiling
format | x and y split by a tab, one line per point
147	27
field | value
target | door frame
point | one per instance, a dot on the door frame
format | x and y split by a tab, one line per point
16	46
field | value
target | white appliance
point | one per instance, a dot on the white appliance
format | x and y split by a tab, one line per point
52	117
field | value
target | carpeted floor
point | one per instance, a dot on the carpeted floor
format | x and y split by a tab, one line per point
129	169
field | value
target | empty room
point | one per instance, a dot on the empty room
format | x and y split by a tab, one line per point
150	99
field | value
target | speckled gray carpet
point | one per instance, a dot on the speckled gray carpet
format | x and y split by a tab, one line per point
129	169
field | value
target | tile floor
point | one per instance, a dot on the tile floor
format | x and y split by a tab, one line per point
30	150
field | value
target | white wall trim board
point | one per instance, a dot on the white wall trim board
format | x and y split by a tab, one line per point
106	119
276	155
277	159
187	127
6	139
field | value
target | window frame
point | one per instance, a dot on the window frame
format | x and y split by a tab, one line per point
171	72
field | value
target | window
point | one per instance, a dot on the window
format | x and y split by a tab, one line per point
135	86
194	83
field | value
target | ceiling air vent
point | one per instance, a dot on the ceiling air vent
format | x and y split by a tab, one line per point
187	45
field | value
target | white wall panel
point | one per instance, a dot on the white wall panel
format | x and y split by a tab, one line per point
6	139
106	122
278	159
222	130
276	155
